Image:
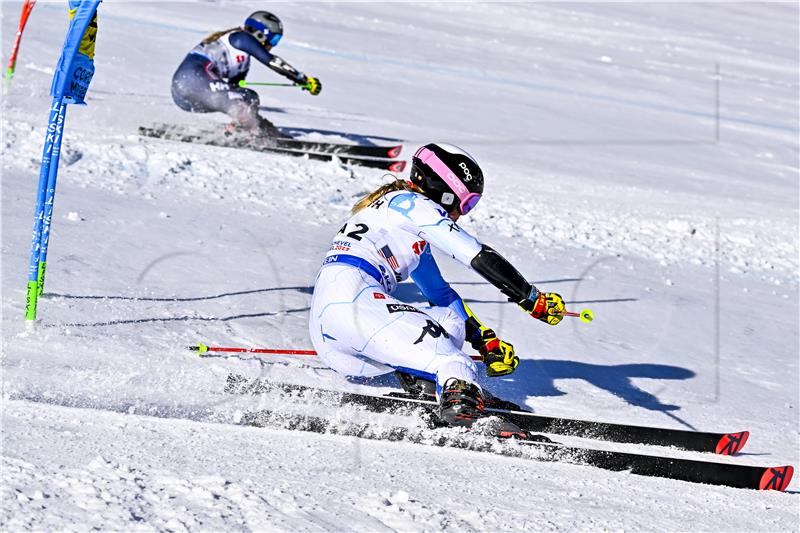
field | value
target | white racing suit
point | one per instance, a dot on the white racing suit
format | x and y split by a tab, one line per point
358	328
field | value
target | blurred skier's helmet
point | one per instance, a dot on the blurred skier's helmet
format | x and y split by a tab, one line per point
265	27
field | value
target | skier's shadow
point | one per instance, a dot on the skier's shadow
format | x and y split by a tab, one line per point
537	377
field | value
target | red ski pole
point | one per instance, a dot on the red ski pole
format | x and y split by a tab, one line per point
27	7
203	349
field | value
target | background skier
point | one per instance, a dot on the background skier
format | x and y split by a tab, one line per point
208	78
359	329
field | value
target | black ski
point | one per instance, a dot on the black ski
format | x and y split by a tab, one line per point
380	157
390	152
721	443
714	473
382	164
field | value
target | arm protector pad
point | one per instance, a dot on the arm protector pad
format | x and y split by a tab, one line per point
502	274
285	69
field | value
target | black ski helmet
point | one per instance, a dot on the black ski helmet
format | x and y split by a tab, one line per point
447	175
265	27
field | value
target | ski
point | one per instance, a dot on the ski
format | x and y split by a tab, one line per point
380	157
390	152
544	449
180	133
720	443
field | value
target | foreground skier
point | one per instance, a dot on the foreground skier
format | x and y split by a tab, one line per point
359	329
208	78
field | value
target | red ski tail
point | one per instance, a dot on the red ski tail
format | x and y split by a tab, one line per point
731	443
776	478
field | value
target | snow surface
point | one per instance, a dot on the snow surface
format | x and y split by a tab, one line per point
596	127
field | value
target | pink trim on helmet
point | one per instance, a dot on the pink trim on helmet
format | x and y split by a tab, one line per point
468	199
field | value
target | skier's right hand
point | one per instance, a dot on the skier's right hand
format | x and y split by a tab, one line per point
545	306
498	355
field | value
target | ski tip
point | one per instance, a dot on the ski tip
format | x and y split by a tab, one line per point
732	443
394	151
397	166
776	478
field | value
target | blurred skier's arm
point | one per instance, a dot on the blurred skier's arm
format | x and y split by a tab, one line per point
250	45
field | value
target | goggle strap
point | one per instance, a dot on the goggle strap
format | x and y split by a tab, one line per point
438	166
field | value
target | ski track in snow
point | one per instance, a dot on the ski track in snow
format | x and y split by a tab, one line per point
595	128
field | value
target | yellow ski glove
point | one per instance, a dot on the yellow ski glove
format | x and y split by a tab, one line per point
313	85
498	355
548	307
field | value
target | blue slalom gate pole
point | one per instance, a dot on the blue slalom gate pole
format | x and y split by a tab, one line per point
71	81
49	197
52	138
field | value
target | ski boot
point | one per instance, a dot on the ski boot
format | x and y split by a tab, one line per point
425	389
266	130
493	402
416	387
255	130
461	404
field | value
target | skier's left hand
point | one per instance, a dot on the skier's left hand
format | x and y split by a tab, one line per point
498	355
312	85
548	307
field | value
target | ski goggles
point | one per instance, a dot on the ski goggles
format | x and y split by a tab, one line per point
467	200
263	34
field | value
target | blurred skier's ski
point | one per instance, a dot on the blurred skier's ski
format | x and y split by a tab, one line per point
381	157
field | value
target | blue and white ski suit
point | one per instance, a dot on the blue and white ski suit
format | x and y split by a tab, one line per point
358	328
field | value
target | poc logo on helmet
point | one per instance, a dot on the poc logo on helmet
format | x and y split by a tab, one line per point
466	170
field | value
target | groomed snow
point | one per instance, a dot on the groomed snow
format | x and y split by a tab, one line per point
596	127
